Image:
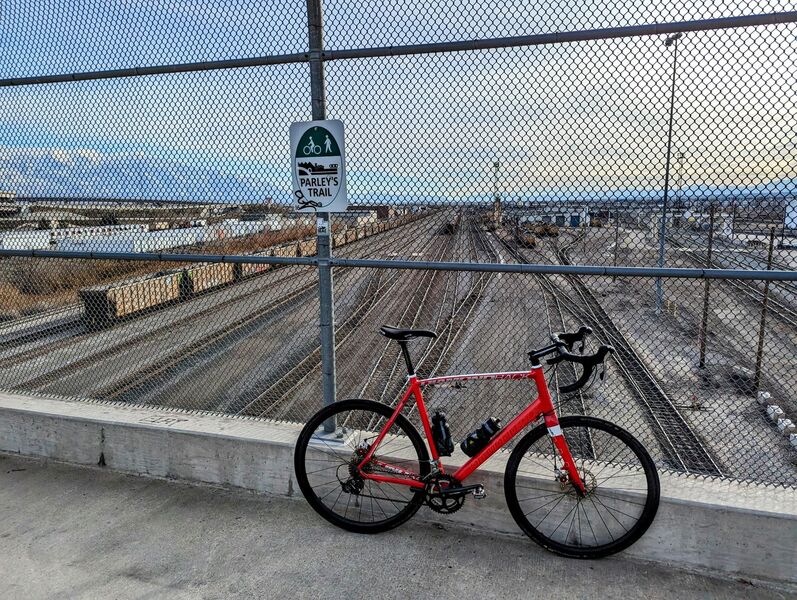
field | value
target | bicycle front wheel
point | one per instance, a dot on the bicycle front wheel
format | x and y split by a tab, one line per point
622	489
325	465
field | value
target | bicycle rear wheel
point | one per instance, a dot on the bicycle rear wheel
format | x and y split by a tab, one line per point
325	466
622	489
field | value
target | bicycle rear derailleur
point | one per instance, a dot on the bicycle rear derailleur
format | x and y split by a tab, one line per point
446	495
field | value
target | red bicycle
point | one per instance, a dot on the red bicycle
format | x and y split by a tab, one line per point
580	486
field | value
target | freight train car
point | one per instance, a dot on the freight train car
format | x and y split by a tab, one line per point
209	276
108	303
286	250
105	304
307	247
249	269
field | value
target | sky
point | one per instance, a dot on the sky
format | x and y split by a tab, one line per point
586	119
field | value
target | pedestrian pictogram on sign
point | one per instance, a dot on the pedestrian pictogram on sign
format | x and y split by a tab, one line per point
319	173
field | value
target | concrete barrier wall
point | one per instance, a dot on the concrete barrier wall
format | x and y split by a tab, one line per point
718	527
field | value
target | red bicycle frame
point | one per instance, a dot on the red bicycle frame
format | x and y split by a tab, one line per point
540	406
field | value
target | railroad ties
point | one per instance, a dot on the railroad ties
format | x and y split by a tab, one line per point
682	447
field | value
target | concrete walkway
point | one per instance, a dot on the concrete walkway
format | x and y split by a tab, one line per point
68	532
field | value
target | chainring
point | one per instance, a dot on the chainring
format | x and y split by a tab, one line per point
438	500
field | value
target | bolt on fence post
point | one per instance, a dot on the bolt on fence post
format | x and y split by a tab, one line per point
707	289
760	352
315	30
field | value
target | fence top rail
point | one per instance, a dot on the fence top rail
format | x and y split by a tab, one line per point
539	269
558	37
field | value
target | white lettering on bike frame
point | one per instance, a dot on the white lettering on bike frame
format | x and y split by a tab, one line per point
479	377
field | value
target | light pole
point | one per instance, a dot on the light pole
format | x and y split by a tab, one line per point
679	200
497	166
497	198
671	40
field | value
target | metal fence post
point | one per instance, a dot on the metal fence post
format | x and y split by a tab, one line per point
315	27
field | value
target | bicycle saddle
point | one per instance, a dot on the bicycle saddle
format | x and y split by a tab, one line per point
404	335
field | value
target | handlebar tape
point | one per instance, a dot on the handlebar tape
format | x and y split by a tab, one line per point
588	363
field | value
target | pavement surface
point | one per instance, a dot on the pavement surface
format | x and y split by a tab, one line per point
71	532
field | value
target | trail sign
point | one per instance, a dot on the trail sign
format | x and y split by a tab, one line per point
318	167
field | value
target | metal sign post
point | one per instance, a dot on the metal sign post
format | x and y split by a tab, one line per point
324	228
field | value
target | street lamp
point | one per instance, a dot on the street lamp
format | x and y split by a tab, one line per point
672	40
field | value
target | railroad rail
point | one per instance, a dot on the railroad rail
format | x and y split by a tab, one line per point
34	327
390	378
141	379
84	332
218	339
280	389
682	447
216	300
460	314
748	289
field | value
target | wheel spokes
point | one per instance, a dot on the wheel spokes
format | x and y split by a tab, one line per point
331	466
615	479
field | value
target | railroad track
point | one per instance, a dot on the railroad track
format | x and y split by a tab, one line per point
85	333
145	336
222	338
76	330
449	324
554	314
21	331
748	289
281	391
461	313
385	376
682	447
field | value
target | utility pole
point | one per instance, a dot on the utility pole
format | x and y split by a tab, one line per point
671	40
616	237
707	290
759	355
497	209
315	26
496	195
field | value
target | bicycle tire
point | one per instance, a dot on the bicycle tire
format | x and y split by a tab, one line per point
401	425
584	448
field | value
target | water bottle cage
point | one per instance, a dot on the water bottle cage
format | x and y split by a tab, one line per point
441	435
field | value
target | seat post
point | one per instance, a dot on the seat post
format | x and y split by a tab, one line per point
407	359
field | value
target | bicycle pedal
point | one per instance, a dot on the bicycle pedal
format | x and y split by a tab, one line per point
479	493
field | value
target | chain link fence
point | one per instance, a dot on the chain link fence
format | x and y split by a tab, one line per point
149	252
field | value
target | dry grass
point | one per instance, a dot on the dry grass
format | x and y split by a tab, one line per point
31	285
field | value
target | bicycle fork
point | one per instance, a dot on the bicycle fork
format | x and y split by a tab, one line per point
559	442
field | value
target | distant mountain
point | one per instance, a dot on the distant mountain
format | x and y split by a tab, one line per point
87	173
81	173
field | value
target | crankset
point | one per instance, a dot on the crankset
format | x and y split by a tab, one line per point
446	495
